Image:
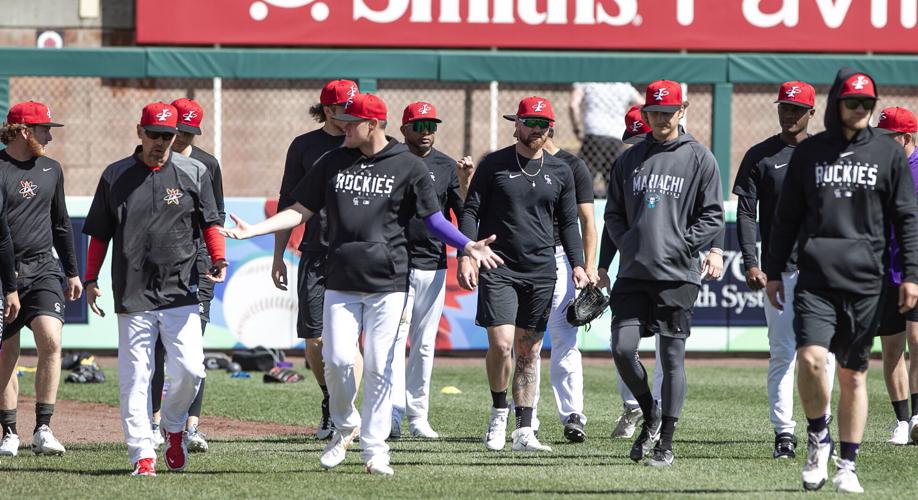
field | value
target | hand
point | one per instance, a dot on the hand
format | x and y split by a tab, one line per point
592	275
481	252
604	281
279	273
11	306
74	289
775	291
240	232
756	279
465	168
467	274
713	266
908	296
93	293
581	280
218	272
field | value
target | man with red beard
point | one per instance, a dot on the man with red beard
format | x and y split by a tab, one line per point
33	186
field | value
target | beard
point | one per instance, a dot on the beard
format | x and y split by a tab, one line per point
534	142
35	147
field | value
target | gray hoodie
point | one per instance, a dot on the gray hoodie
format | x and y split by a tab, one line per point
664	206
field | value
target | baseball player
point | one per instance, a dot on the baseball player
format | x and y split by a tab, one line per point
153	205
190	114
370	189
900	124
664	206
301	155
33	187
758	186
842	187
517	193
427	275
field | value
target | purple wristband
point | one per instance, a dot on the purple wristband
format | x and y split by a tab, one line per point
444	231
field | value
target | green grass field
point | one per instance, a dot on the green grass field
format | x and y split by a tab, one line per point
723	448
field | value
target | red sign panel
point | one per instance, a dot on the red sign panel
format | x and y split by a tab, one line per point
710	25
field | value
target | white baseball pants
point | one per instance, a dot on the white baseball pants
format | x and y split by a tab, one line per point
783	346
419	325
346	314
180	331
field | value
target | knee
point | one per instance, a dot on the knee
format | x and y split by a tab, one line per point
852	380
501	349
623	354
811	358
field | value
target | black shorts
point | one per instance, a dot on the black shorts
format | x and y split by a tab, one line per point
42	297
658	307
311	293
892	322
844	323
513	300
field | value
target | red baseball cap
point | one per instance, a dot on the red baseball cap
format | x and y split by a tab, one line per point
858	85
159	117
797	93
30	113
533	107
664	96
635	127
338	92
897	120
190	114
364	107
420	111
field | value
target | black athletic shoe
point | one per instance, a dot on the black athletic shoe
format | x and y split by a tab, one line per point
660	458
573	429
647	439
785	445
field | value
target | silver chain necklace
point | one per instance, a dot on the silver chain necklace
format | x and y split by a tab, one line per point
527	174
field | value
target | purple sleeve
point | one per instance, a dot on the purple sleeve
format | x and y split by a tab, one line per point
444	231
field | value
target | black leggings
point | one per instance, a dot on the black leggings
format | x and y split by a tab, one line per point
625	341
159	378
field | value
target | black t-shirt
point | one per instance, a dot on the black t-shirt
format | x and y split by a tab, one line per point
583	183
301	155
760	177
368	202
216	181
37	215
426	252
519	206
152	217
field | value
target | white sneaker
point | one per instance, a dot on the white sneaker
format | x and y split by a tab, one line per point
900	433
336	449
496	438
845	479
913	423
44	442
380	465
420	428
195	440
816	469
627	422
9	446
158	439
524	439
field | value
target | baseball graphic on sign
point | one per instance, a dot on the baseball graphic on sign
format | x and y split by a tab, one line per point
259	10
258	313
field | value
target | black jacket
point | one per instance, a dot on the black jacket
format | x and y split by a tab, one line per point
839	196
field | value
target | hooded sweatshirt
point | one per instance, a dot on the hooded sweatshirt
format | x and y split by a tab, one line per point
368	203
838	199
664	205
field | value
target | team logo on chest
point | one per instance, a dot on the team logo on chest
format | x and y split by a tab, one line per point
172	196
28	189
651	199
364	184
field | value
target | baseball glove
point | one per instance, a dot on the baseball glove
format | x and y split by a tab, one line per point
586	306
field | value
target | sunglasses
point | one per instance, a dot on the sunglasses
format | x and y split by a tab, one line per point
424	126
867	104
166	136
536	122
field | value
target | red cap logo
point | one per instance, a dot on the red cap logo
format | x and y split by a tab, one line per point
30	113
663	95
190	114
364	107
420	111
159	117
897	121
338	92
635	128
797	93
859	85
535	107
